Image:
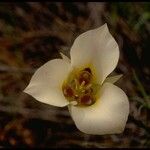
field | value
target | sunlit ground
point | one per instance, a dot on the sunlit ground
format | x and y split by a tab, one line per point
33	33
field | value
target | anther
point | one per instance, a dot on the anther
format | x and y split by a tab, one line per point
88	86
77	95
82	84
83	91
76	84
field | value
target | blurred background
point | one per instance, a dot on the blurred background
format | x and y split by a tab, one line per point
33	33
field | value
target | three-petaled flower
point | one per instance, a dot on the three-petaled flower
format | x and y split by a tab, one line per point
96	105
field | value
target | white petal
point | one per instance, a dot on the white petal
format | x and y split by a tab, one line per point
65	58
45	84
96	47
107	116
113	79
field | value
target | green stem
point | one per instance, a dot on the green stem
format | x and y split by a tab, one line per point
141	88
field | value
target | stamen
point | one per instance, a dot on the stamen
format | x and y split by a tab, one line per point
88	86
77	95
82	84
76	84
83	91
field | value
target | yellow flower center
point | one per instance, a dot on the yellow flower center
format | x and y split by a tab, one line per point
81	87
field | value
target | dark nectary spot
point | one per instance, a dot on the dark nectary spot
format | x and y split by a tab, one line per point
88	70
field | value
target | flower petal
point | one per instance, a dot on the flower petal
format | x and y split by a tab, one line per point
97	47
113	79
45	84
107	116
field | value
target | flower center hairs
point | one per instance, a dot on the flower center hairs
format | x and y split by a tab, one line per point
81	88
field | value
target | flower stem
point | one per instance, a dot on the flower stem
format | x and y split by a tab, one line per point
141	88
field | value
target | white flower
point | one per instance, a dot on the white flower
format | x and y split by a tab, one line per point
96	105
